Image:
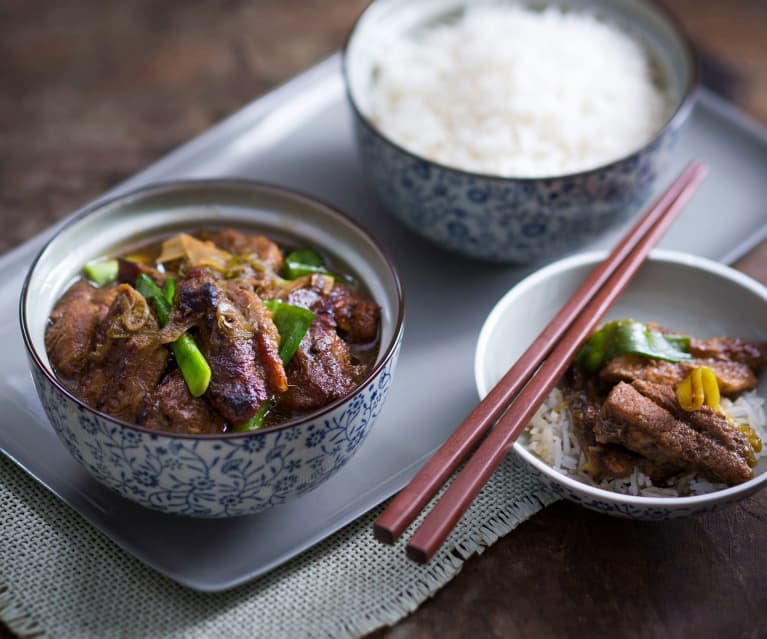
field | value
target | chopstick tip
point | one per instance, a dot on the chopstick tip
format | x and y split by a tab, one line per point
382	534
698	169
417	555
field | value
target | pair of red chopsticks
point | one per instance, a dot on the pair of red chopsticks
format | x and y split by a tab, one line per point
526	384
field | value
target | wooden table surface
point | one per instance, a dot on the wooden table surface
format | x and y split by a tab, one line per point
92	91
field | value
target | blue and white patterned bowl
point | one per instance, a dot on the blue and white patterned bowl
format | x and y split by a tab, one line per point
677	290
211	475
506	219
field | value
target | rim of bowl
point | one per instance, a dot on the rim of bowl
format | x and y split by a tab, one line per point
674	258
180	185
678	117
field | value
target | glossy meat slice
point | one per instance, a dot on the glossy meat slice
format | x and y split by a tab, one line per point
73	323
170	407
356	316
238	339
266	337
733	349
603	461
705	420
733	377
632	420
128	358
322	368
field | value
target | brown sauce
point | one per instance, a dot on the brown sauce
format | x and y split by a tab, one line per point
224	292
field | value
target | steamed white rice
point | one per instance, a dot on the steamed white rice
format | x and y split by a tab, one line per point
550	436
511	91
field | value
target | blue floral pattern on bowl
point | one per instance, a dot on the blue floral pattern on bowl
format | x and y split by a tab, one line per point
215	476
507	219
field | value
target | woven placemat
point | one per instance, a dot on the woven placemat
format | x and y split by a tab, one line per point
62	578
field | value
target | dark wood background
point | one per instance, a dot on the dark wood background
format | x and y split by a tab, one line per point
92	91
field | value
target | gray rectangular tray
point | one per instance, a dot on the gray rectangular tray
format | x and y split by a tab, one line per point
300	136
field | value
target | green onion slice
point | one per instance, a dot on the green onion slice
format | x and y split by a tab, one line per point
101	273
146	286
292	322
257	421
169	290
190	360
193	364
304	262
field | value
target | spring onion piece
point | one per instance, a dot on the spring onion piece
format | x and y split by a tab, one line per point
304	262
190	360
146	286
629	336
698	388
169	290
101	273
292	322
257	421
192	363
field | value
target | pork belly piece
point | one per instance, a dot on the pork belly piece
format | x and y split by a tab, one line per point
128	358
171	407
638	423
70	334
266	337
356	315
239	243
733	349
705	420
323	368
238	339
312	293
603	461
734	378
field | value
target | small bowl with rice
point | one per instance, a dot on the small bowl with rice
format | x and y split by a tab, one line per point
667	460
509	132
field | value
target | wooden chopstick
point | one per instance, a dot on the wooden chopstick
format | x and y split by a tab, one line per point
448	510
404	508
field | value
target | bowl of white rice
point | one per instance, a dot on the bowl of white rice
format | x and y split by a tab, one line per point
511	131
682	292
